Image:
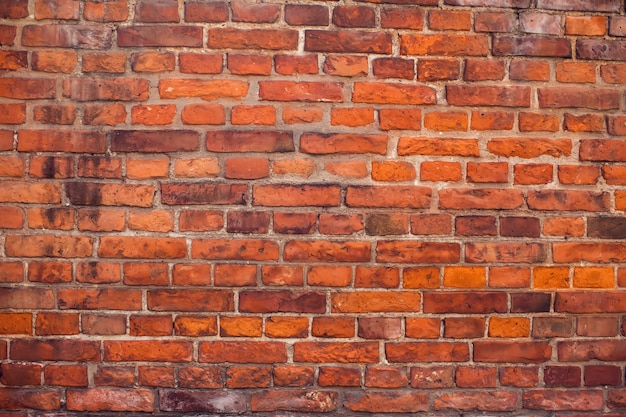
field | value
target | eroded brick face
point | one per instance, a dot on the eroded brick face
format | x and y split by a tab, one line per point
306	207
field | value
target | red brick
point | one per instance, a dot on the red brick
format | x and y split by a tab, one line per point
34	399
155	376
195	63
111	11
110	399
306	15
481	401
381	402
443	45
432	377
271	39
76	141
394	68
48	246
523	352
392	93
431	224
160	11
565	97
561	400
449	20
374	301
115	376
353	41
159	36
417	252
205	89
27	298
386	377
329	352
354	16
13	60
150	325
495	22
207	12
67	36
295	223
339	377
346	65
464	327
190	300
613	73
66	375
494	120
439	146
423	328
400	119
55	114
446	121
294	400
602	375
470	95
282	301
476	377
249	64
118	89
329	276
56	324
195	326
465	303
242	352
402	18
332	327
226	275
238	249
16	323
566	200
249	141
96	299
293	376
438	69
248	377
518	376
531	46
597	326
485	198
203	114
11	272
483	70
7	35
427	352
241	326
11	218
286	327
55	350
340	224
103	324
104	115
295	64
199	401
24	88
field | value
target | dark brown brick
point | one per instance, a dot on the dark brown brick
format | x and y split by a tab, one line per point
606	227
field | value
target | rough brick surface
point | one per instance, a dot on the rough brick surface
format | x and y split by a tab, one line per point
312	207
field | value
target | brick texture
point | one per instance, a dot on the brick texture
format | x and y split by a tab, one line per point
312	207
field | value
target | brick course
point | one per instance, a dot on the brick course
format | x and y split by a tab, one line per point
301	207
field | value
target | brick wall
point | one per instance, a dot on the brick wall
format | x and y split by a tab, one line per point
343	207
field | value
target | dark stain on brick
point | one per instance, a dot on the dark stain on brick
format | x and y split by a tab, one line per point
530	303
606	227
85	194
